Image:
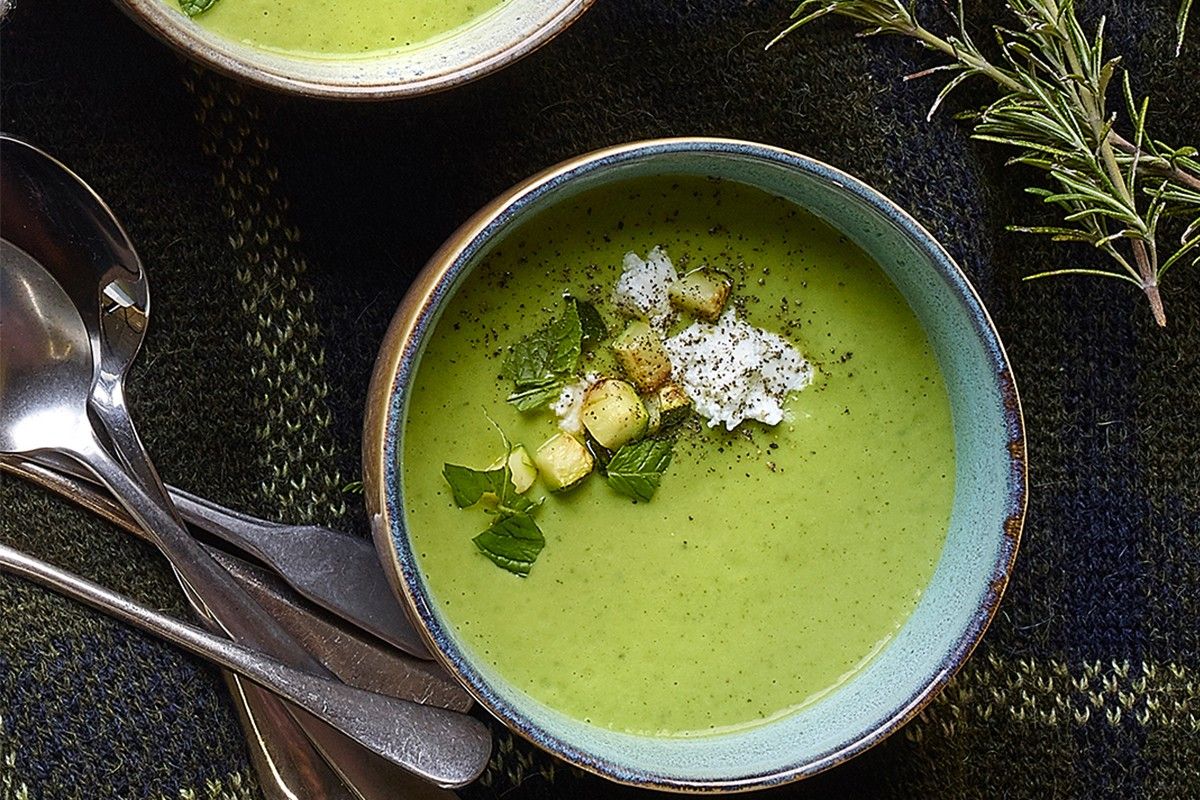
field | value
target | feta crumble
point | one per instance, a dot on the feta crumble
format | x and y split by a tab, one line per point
734	371
569	404
641	291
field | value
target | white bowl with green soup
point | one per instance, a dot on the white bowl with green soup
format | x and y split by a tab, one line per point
356	49
699	462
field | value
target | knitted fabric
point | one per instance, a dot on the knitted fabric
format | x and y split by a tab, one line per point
280	234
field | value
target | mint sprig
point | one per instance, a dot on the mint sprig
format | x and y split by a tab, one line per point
543	362
468	485
591	324
549	353
536	395
513	542
637	469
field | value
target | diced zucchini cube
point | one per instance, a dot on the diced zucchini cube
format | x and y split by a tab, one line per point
654	421
667	406
673	403
613	413
563	462
702	293
642	356
524	472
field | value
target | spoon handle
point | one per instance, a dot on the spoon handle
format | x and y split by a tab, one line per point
221	600
287	764
390	727
336	571
431	753
353	657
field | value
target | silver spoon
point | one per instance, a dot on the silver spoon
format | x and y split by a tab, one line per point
352	658
46	392
385	725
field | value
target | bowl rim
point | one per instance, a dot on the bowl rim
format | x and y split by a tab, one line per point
400	346
163	22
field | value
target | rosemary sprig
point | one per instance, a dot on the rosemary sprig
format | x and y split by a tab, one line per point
1114	192
1181	21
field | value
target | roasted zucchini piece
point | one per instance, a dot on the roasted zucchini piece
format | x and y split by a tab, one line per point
563	462
524	471
667	406
613	413
702	293
642	356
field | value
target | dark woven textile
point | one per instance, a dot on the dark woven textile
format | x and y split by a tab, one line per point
281	233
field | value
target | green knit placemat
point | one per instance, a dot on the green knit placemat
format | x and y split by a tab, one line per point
280	234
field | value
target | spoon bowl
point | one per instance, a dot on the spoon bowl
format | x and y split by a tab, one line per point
45	358
47	211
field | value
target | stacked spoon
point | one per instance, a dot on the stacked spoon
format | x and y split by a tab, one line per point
74	308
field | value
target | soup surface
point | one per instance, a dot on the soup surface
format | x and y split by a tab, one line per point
340	28
772	563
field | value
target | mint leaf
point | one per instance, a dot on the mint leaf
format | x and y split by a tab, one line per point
591	324
513	503
539	394
539	363
566	332
637	469
468	485
513	542
529	362
195	7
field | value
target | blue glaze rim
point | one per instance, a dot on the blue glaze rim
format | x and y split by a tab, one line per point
399	358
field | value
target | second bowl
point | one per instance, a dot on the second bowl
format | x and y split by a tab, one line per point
358	49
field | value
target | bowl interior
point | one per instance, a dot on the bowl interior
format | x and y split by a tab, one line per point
492	40
985	521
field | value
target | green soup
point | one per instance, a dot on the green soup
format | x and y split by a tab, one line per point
772	563
340	28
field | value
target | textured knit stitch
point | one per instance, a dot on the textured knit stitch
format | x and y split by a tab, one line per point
296	449
251	385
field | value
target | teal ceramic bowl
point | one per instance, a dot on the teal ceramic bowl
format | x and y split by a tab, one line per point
985	525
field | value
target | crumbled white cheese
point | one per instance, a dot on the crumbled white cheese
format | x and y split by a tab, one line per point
641	291
733	371
569	405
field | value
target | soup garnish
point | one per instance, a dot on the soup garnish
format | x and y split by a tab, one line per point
720	368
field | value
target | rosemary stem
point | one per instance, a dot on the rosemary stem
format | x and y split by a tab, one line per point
1155	164
1053	108
1147	270
1149	282
972	60
1092	107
